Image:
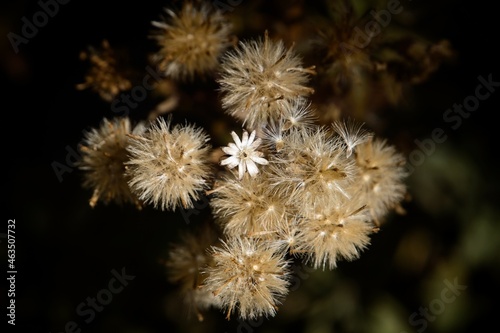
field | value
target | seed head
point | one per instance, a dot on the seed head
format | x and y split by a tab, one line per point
382	176
104	75
352	133
248	277
259	79
191	41
187	259
311	168
339	230
169	165
248	206
104	152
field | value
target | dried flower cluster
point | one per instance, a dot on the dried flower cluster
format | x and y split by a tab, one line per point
191	41
323	192
366	63
105	75
288	188
312	192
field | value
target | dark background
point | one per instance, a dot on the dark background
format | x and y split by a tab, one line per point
65	251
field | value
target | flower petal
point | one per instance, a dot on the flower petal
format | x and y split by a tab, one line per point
241	169
252	137
244	140
231	149
256	143
259	160
231	162
252	168
236	139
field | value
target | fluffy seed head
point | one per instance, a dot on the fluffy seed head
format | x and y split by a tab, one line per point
169	165
191	41
311	168
336	231
248	207
249	277
104	152
259	79
352	133
345	62
382	176
187	259
298	114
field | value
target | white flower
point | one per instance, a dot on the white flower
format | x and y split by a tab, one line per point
244	154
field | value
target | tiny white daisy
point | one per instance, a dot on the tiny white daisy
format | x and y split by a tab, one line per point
243	154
